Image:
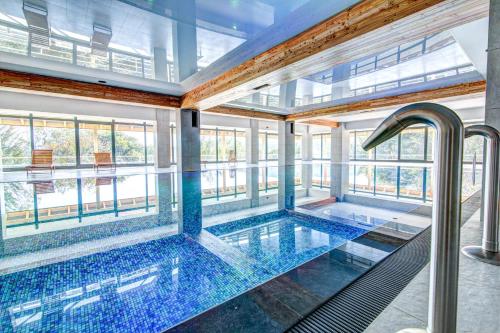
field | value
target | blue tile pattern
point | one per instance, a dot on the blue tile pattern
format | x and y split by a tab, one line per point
284	243
152	286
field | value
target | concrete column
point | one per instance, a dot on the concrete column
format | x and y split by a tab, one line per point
307	160
184	39
492	113
163	141
252	159
308	92
340	85
189	167
160	63
188	140
256	98
339	167
286	158
164	190
287	94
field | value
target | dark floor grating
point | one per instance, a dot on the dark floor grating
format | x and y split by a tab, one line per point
356	307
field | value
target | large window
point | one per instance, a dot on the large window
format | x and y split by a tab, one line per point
130	143
74	141
298	147
268	146
15	142
94	138
412	144
58	135
321	152
222	145
401	167
322	144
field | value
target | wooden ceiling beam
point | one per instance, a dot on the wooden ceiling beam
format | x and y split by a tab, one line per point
239	112
392	101
367	27
321	122
53	86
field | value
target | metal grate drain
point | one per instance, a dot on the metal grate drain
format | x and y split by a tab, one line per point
354	308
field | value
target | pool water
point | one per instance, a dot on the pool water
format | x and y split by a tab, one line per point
149	287
109	254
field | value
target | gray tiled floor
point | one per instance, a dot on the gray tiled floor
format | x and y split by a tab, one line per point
479	295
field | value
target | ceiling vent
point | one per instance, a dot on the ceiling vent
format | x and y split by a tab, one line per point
100	40
38	23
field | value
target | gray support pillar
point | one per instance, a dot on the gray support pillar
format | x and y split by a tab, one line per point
184	39
492	113
188	170
340	86
252	159
287	94
256	98
163	141
164	190
160	63
339	171
307	160
286	171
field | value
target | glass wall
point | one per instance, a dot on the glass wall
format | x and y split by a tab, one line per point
321	154
268	146
221	148
402	166
222	145
130	141
58	135
94	138
15	142
74	141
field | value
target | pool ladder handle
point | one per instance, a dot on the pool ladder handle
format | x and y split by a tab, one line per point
488	252
445	244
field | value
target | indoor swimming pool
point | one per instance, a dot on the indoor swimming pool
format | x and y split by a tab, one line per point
112	253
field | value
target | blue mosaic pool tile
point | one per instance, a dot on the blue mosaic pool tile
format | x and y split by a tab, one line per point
142	288
284	243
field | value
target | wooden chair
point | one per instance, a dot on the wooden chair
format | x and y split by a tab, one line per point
103	160
41	159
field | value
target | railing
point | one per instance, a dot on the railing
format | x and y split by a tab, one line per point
16	39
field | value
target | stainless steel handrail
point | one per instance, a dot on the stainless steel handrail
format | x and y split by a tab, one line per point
446	211
488	252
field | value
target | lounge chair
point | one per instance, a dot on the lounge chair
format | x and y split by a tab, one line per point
41	159
103	160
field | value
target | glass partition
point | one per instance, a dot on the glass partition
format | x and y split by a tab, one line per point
130	143
58	135
94	138
15	142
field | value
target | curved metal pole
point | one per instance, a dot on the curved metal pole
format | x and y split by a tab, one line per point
488	252
446	210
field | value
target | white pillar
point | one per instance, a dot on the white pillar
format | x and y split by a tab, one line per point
287	94
492	112
160	63
339	172
307	160
252	159
189	170
184	39
286	158
163	140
